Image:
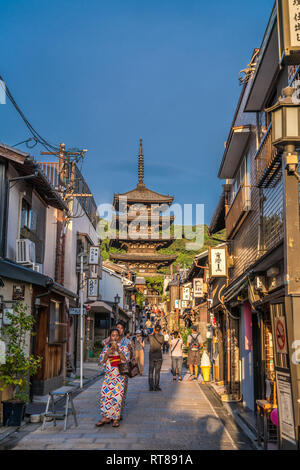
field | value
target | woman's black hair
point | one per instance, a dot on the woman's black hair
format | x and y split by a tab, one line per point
175	334
113	329
122	323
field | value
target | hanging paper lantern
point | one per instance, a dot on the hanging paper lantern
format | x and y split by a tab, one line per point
274	416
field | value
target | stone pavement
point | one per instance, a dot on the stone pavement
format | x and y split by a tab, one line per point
180	417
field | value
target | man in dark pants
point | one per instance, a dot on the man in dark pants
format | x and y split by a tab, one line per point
156	341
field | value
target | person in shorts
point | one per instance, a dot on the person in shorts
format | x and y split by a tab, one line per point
195	342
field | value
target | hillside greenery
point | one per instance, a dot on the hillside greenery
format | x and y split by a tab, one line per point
178	247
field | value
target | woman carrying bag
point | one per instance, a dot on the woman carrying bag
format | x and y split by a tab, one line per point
113	388
176	356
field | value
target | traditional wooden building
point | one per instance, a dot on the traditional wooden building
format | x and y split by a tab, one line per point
142	228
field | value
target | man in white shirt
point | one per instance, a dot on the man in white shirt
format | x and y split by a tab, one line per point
176	356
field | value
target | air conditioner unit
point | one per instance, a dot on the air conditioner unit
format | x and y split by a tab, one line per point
25	251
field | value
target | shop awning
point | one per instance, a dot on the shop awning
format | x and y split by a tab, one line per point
21	273
99	306
266	69
235	288
234	150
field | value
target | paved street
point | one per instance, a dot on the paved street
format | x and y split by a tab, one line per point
180	417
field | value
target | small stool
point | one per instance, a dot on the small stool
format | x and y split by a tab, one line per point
264	408
58	414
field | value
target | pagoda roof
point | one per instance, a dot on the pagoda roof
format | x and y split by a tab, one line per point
142	194
130	217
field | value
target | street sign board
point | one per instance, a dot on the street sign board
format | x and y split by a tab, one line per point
280	333
76	311
285	406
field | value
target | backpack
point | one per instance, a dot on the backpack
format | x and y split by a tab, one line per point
194	345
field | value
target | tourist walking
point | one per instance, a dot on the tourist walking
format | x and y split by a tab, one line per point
166	341
176	356
139	346
128	343
156	341
113	387
194	343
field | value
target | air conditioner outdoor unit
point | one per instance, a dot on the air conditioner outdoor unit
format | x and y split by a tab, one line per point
25	251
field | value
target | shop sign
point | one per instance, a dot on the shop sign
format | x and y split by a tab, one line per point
92	287
285	404
288	13
76	311
18	292
280	335
198	287
185	293
218	262
176	303
94	255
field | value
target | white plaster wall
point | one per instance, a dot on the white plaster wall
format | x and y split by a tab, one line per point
111	285
83	225
50	242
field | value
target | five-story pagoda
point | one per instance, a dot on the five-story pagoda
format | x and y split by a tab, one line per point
141	227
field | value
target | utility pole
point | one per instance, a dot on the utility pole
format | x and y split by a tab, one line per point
81	255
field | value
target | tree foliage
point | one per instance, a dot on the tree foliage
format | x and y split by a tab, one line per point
18	366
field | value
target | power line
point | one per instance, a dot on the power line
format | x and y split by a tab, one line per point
35	134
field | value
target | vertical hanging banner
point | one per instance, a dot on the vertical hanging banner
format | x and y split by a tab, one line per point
218	262
288	22
198	287
92	287
94	255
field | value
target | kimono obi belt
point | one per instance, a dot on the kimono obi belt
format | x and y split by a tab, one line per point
114	361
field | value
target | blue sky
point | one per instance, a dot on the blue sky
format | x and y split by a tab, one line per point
100	74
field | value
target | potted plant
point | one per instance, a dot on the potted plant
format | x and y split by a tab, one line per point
19	365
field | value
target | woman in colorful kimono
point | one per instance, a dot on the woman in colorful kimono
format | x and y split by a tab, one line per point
129	344
112	391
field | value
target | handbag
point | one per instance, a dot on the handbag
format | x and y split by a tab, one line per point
133	369
124	368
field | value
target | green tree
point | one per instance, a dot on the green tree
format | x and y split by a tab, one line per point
18	366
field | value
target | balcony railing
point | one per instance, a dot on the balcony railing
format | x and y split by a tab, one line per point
51	171
268	162
240	206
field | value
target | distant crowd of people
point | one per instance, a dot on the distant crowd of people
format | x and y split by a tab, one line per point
121	353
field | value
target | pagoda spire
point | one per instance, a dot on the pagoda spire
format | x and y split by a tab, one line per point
141	165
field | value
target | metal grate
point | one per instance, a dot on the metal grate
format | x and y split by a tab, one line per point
272	215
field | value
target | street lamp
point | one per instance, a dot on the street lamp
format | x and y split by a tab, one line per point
286	136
